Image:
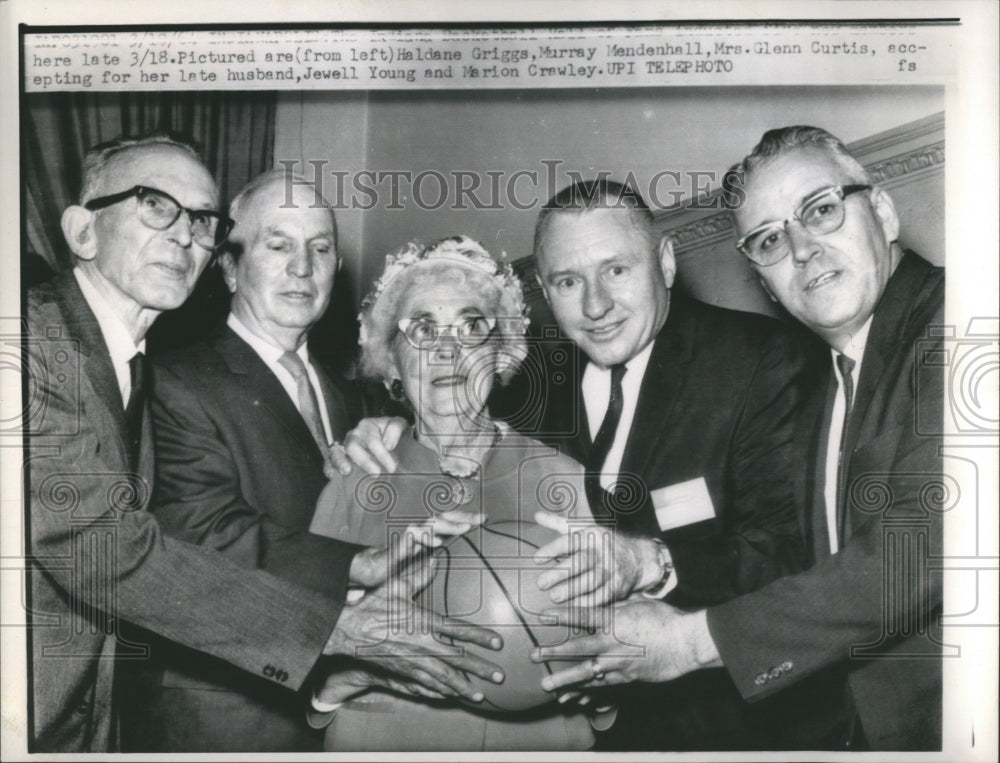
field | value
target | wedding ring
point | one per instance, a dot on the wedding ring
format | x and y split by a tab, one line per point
596	670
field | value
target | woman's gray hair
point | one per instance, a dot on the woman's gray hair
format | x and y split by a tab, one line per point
457	255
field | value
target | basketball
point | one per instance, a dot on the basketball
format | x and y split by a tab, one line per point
488	577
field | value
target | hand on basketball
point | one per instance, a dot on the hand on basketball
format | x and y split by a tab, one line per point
635	640
350	678
372	566
596	564
368	446
400	638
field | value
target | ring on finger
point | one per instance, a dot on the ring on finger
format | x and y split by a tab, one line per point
597	672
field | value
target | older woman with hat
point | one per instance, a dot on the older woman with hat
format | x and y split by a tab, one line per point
441	325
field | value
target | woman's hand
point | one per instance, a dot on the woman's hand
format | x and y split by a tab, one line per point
368	446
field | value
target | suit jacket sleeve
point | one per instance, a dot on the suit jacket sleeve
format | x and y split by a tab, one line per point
802	623
83	503
198	497
759	538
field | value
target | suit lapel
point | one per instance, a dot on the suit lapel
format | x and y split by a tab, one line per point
660	390
564	424
259	382
902	293
336	405
83	327
812	432
896	303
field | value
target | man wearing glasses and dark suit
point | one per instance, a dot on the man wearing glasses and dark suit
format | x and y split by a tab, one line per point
822	238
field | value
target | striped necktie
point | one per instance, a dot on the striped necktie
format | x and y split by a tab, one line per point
308	402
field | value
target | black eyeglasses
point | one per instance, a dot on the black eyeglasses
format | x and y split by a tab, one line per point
823	212
159	210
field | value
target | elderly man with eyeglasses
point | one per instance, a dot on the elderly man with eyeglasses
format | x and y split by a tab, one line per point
146	226
822	238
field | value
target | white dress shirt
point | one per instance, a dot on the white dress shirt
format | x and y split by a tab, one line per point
271	354
596	388
117	336
856	352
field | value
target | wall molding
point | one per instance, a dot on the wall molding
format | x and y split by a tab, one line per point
895	157
908	163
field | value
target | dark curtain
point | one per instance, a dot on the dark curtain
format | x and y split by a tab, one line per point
235	132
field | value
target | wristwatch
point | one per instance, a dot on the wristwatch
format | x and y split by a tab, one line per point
657	589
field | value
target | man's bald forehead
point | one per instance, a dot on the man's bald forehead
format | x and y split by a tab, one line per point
122	167
276	189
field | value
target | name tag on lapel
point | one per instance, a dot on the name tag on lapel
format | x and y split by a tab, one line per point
682	504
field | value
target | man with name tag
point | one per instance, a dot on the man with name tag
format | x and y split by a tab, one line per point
857	629
683	419
689	404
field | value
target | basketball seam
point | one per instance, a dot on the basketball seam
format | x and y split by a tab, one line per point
512	537
506	593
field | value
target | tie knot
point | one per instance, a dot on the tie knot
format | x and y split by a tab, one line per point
293	364
845	365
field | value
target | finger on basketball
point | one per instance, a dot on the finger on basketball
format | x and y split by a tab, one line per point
474	634
582	578
580	612
454	680
573	649
416	674
552	550
575	675
551	578
587	598
469	662
552	521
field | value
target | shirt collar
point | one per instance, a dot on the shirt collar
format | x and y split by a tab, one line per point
855	349
116	334
636	367
268	352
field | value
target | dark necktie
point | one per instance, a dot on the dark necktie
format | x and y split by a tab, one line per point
135	408
603	441
308	403
846	367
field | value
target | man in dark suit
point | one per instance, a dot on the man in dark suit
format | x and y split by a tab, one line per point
243	421
145	228
700	443
683	413
823	239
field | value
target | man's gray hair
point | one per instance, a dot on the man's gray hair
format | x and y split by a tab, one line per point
97	158
783	140
589	195
284	175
